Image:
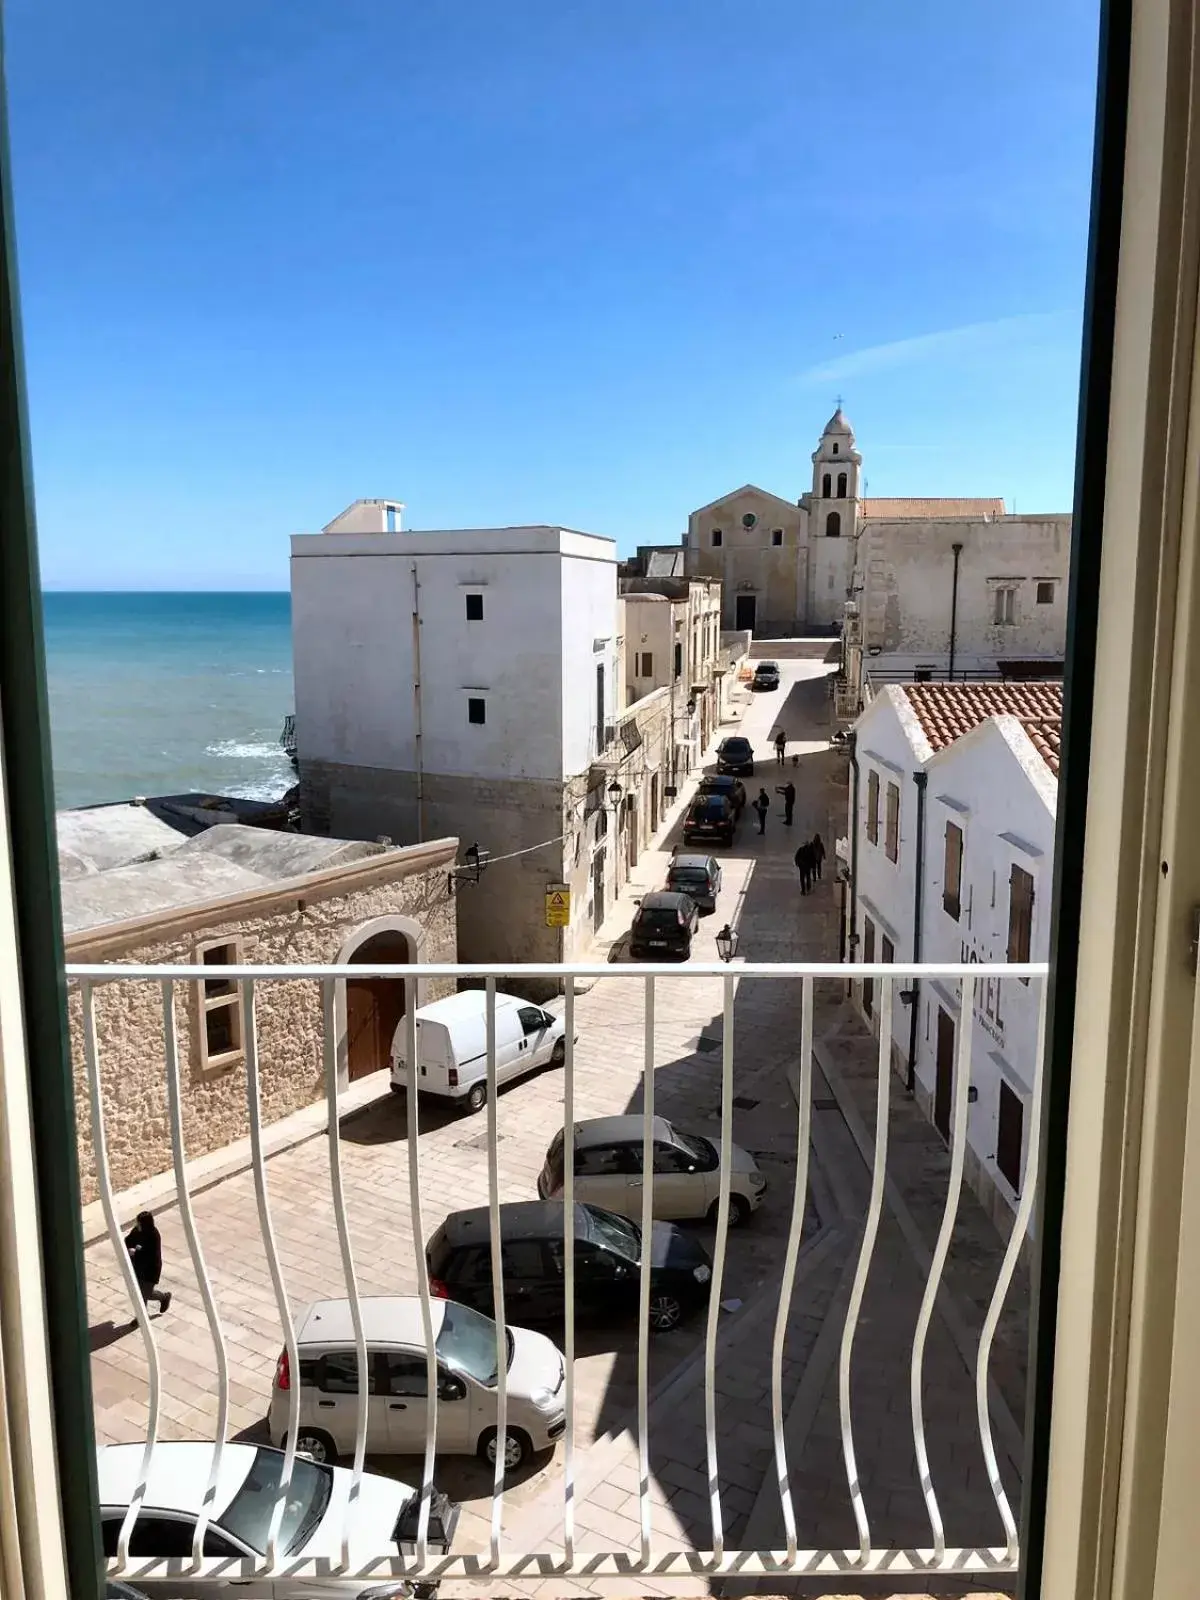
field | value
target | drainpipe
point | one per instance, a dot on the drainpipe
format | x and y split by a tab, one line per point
853	847
418	741
910	1080
957	548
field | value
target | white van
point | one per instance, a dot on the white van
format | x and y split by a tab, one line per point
452	1045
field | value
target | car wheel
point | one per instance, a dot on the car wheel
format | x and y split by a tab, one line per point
518	1447
666	1312
559	1054
739	1211
477	1096
313	1442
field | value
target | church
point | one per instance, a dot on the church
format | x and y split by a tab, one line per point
942	586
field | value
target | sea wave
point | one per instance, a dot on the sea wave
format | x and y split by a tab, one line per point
265	789
241	750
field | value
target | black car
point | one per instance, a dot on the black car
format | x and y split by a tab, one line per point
710	816
608	1254
766	676
664	925
736	755
733	789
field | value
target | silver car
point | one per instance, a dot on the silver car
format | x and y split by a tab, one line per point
687	1175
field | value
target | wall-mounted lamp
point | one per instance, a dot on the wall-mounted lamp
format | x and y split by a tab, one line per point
614	792
972	1094
907	996
727	943
475	860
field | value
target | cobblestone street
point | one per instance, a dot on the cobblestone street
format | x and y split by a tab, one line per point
761	896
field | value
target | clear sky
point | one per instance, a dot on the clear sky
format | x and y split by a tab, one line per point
538	261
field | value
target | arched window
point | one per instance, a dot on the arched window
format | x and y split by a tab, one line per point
835	448
841	485
833	525
826	486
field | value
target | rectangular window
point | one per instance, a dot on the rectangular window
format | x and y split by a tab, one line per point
716	538
887	950
1020	915
873	807
868	990
474	608
1009	1133
776	535
893	822
646	668
601	741
219	1006
1005	613
476	710
952	874
678	660
1045	594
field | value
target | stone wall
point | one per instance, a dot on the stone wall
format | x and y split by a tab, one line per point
308	926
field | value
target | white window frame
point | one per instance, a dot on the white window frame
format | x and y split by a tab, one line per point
206	1004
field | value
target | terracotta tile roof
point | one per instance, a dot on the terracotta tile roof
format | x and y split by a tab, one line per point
930	510
948	710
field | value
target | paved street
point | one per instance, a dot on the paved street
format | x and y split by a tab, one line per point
761	896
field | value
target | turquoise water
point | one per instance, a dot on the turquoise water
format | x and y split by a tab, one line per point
164	693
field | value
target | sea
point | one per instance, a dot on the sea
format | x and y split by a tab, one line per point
154	694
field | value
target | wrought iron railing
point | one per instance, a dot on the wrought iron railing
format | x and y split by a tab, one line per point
567	1556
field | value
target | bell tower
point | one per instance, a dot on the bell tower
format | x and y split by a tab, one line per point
837	466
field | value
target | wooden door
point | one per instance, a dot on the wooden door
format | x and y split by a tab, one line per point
943	1097
374	1006
745	608
1009	1136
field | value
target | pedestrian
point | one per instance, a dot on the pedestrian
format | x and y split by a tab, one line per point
788	791
144	1243
762	805
780	746
818	850
804	865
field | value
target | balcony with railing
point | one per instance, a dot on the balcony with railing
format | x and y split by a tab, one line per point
889	1476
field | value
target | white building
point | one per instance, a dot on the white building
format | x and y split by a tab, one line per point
953	835
463	683
943	585
672	640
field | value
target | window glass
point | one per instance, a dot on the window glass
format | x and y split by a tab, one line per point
598	1161
667	1158
407	1375
522	1259
533	1020
339	1373
474	608
472	1265
476	711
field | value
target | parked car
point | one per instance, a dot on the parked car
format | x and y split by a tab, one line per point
452	1045
608	1254
736	755
766	676
664	924
687	1176
732	788
697	876
311	1529
397	1385
710	816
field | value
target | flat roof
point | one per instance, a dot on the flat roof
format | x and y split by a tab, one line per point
536	539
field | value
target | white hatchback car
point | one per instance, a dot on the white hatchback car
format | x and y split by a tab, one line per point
241	1515
397	1387
687	1171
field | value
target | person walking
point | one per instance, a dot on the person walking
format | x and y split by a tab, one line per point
762	805
144	1243
780	747
804	865
818	851
788	791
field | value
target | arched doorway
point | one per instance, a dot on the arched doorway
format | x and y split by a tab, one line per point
371	1009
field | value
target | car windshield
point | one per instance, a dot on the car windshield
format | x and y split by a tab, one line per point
698	1149
467	1343
614	1233
658	916
248	1515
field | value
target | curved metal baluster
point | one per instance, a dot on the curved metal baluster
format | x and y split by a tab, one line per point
330	1053
958	1150
418	1228
714	1301
643	1346
258	1165
497	1280
183	1194
870	1230
91	1054
1007	1267
795	1233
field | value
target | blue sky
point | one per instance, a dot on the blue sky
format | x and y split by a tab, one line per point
549	261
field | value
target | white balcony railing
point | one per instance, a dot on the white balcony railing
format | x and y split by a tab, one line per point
565	1556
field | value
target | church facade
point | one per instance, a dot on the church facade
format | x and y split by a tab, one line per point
940	584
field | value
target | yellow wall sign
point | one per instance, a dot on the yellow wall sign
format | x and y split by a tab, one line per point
558	905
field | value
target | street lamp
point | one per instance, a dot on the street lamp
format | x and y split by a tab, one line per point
727	943
475	858
615	792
